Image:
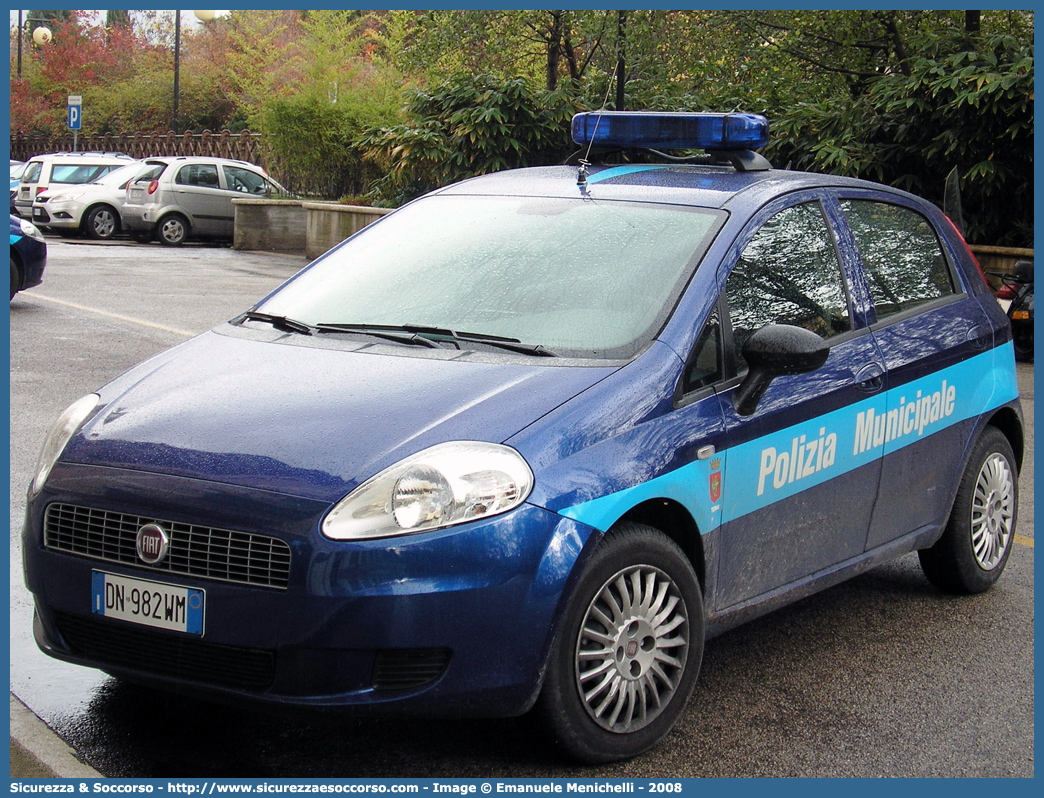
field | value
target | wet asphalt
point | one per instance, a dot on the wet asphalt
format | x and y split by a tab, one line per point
880	676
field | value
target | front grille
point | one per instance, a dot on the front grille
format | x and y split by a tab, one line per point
119	646
199	551
406	668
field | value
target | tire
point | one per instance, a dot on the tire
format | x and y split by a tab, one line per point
102	223
16	278
172	230
974	548
618	679
1024	346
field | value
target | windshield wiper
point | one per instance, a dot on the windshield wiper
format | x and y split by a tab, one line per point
402	335
279	322
423	335
511	344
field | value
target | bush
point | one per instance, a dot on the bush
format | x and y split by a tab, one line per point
469	126
314	140
967	103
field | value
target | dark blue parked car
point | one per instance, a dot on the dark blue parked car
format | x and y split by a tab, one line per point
527	442
28	255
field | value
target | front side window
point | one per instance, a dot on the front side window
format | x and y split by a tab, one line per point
244	181
904	263
788	274
198	174
705	366
580	277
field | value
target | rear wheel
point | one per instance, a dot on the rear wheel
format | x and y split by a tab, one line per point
1024	346
172	229
102	223
627	655
972	553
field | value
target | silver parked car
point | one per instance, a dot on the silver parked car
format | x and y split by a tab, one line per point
175	198
94	209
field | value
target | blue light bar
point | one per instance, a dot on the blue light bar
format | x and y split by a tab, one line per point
670	131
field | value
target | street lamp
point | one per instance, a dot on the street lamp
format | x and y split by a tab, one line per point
41	35
202	16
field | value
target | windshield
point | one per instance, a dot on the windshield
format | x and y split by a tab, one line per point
120	176
577	276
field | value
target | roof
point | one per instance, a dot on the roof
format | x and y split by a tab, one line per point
680	184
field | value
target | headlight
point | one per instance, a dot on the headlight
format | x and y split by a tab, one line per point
63	198
29	230
445	485
64	428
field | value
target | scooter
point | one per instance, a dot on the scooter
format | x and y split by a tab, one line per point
1018	287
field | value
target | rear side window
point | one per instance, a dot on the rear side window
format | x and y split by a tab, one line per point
74	174
904	262
32	172
198	174
788	274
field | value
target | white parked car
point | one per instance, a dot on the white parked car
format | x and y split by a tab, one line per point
94	209
63	168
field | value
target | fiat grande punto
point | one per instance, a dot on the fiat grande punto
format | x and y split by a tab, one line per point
524	444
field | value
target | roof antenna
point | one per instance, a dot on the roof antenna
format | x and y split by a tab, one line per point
581	175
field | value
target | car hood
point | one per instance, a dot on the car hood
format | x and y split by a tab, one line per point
310	421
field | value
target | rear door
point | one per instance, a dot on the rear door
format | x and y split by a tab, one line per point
936	342
198	192
796	500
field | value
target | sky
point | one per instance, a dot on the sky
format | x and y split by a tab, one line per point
187	17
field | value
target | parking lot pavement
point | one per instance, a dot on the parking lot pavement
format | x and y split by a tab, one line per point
880	676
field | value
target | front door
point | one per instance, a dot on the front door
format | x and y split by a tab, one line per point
797	499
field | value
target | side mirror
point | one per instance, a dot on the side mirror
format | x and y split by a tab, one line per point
774	351
1023	271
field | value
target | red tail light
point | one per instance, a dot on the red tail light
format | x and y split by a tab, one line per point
153	186
971	254
1006	292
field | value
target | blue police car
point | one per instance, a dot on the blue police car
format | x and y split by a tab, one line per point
28	255
525	443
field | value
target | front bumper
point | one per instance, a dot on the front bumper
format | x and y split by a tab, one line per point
474	607
64	215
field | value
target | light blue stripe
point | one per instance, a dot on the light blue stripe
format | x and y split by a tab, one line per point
619	171
15	239
963	391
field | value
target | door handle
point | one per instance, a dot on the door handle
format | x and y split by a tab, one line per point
870	378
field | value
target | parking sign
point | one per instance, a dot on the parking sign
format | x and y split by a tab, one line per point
75	105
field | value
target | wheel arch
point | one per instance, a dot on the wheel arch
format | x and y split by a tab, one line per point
101	204
672	519
1010	425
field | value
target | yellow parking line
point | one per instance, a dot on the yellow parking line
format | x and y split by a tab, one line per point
1022	540
97	312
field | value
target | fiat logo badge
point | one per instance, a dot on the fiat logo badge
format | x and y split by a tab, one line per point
152	544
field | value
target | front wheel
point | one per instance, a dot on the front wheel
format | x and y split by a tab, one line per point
626	657
172	230
972	553
16	278
102	223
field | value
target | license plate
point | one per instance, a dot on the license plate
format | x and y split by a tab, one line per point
154	604
136	194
